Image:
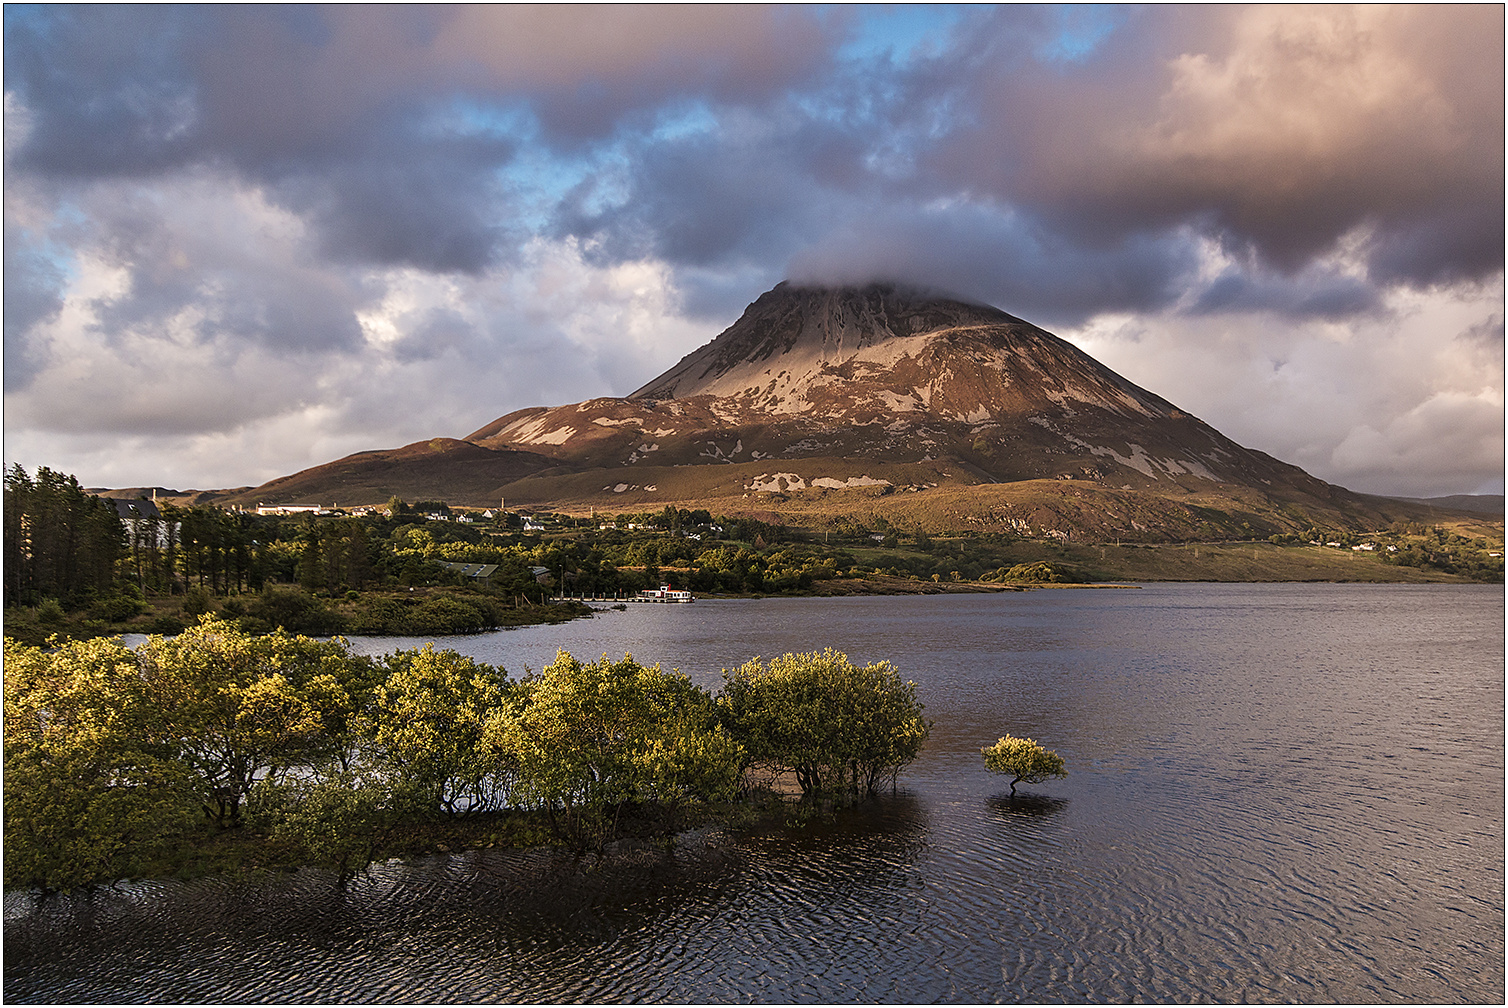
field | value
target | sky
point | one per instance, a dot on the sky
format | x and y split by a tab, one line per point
242	241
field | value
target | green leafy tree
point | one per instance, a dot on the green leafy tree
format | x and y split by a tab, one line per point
59	541
1038	573
591	738
428	725
339	820
91	779
241	708
312	562
837	726
293	609
1024	760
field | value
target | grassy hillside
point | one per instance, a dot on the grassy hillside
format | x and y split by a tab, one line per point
1067	509
1255	561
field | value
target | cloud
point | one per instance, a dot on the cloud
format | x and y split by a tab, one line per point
244	239
136	89
32	296
1279	129
1354	400
1005	259
184	349
386	128
1448	440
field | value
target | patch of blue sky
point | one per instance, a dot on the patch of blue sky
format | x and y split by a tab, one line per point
837	108
59	258
611	174
1078	31
683	120
540	177
467	116
901	32
533	174
36	16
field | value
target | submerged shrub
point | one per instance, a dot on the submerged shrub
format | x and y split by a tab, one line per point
837	726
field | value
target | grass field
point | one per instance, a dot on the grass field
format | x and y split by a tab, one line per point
1247	561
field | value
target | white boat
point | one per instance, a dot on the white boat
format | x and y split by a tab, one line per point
664	593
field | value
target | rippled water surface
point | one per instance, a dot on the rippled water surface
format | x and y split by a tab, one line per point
1276	793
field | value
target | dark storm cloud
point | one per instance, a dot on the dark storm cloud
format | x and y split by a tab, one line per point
106	88
1003	260
438	331
1275	131
586	70
717	296
1084	170
431	204
132	92
731	197
1302	297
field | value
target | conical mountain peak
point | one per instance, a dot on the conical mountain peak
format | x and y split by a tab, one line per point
805	328
867	389
856	354
892	375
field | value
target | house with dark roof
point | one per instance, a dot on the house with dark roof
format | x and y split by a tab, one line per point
142	516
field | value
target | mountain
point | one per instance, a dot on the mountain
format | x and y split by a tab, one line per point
438	469
1488	504
163	495
896	376
823	400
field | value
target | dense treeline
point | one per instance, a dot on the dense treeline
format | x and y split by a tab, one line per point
702	553
60	543
115	755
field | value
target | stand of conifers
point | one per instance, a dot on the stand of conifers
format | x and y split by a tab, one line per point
112	753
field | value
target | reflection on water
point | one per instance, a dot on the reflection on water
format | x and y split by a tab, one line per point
1276	793
1011	807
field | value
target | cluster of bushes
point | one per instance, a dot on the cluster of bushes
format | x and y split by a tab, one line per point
114	755
1040	572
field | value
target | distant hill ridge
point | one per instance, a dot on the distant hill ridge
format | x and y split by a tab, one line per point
1490	504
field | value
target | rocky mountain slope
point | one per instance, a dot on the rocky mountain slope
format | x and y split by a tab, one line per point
844	396
884	374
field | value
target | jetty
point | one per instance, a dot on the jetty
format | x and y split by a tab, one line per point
664	593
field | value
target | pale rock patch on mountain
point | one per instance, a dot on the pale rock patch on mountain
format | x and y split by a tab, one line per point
787	482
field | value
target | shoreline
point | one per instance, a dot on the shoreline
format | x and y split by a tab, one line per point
249	851
23	629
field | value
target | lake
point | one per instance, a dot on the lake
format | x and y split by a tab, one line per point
1277	793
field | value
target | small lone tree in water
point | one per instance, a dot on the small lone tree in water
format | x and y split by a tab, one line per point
1024	759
